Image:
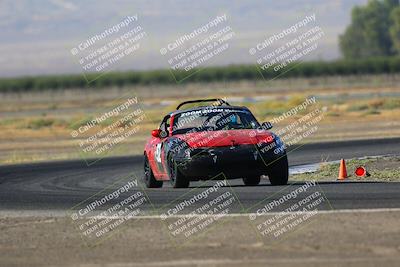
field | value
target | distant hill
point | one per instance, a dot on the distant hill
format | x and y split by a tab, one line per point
36	36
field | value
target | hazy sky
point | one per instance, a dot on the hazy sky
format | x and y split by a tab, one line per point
37	36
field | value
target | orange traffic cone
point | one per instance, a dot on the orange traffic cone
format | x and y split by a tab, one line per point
342	170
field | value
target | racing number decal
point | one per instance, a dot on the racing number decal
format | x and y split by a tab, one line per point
157	154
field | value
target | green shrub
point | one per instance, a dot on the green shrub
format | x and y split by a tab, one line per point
391	104
39	123
358	107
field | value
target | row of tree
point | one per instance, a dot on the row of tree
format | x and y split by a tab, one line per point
210	74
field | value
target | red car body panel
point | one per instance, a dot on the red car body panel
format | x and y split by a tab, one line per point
226	138
223	138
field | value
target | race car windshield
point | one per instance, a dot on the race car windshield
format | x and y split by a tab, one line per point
213	120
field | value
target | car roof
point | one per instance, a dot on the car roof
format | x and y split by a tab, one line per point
176	112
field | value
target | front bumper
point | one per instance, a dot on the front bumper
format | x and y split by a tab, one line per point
234	162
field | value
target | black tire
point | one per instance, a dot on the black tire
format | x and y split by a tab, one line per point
149	178
178	180
252	181
279	171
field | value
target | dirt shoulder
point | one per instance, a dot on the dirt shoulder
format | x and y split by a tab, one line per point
381	169
333	239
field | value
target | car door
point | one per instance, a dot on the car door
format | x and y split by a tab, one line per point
158	148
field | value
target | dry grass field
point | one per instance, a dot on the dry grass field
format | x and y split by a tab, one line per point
37	126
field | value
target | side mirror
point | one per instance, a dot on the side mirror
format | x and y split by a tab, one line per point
266	125
156	133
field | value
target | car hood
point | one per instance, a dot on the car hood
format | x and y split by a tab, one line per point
226	138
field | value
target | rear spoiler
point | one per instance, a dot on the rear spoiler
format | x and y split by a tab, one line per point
219	100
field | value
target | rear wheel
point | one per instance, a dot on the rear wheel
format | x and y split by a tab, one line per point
178	180
149	178
251	181
279	171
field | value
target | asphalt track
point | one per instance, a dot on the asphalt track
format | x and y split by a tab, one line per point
60	185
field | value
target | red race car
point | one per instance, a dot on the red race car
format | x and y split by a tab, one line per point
204	142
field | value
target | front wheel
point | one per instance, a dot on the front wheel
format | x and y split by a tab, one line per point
279	171
178	180
149	178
